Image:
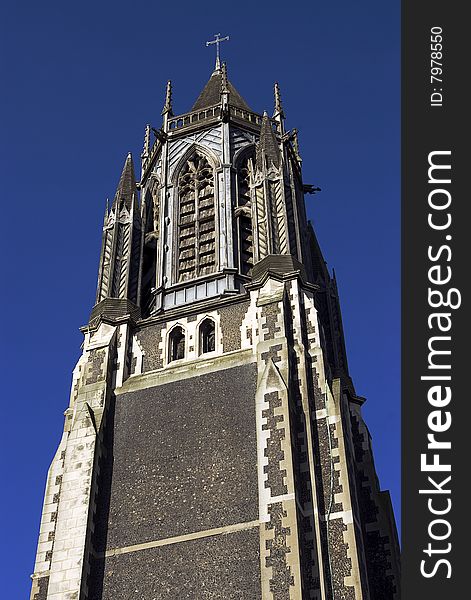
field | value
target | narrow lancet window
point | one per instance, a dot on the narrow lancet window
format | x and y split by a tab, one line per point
177	344
207	336
197	222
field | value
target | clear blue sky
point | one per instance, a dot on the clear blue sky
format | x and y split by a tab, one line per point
80	81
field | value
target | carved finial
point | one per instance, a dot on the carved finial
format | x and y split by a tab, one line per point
107	211
268	150
296	143
278	105
133	203
168	100
224	86
146	149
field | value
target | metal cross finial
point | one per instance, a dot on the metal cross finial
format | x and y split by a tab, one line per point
217	41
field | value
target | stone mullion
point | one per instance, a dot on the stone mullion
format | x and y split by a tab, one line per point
197	228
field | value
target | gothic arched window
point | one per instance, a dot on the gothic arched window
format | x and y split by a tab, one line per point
176	344
243	216
196	219
207	336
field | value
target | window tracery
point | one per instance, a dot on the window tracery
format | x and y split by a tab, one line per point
196	220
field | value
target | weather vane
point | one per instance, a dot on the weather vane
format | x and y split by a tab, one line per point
217	41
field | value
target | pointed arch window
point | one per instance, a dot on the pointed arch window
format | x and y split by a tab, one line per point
196	219
243	215
207	336
176	344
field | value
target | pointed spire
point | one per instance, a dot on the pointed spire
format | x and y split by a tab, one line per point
294	137
224	83
107	212
278	105
211	93
167	109
133	204
127	184
146	148
267	148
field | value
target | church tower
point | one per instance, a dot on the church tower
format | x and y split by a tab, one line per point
214	446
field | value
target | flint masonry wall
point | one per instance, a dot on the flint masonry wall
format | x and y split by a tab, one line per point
182	461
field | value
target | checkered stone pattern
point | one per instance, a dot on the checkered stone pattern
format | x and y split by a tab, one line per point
150	343
271	327
231	318
95	361
319	511
273	452
342	546
72	525
381	546
48	526
341	563
282	580
302	447
272	354
149	348
280	550
40	588
62	562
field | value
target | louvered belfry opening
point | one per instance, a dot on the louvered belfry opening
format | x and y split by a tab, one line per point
197	223
243	217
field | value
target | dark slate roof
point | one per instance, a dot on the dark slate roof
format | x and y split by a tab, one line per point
211	94
127	183
268	146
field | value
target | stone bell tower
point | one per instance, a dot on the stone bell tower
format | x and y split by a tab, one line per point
214	445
